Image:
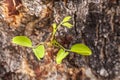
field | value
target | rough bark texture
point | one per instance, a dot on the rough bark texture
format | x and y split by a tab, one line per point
96	23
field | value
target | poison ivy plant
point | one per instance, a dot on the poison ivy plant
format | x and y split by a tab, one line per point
39	51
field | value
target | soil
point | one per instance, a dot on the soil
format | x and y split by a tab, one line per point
96	23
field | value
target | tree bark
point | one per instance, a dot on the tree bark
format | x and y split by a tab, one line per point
96	23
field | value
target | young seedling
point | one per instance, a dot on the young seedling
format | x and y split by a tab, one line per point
39	51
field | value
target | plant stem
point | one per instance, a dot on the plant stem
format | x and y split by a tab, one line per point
59	45
54	32
42	43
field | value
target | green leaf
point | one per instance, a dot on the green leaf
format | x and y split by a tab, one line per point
68	25
39	51
81	49
22	40
61	55
67	18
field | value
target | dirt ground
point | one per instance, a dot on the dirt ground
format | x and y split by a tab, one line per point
96	23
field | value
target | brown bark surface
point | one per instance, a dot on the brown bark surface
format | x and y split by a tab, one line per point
96	23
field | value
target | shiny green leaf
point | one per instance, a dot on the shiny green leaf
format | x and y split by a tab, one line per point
81	49
61	55
68	25
22	40
67	18
39	51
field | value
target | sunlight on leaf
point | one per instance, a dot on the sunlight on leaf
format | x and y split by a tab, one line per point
39	51
22	40
67	18
61	55
68	25
54	25
81	49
